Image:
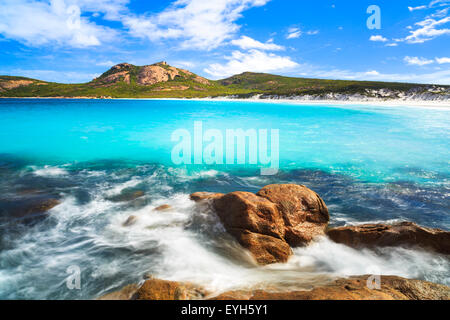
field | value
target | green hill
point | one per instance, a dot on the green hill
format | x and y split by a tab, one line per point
161	80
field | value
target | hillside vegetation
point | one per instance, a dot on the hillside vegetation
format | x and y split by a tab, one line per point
161	80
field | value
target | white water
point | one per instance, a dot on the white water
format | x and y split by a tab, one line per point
186	243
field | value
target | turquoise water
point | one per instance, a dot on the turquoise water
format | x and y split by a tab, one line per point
369	163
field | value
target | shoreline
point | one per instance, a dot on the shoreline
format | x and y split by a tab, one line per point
381	103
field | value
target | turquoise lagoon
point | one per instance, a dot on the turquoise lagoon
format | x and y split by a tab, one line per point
369	163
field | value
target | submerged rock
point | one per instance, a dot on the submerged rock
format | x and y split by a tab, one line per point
130	221
164	207
353	288
269	222
126	293
127	195
29	210
400	234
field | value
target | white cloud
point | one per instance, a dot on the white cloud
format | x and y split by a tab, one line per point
417	8
378	38
58	21
199	24
105	63
312	32
432	26
438	77
253	60
392	44
417	61
443	60
246	43
294	33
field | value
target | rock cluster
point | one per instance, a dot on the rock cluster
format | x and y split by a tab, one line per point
269	222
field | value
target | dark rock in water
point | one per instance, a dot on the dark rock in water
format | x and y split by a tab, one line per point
127	195
353	288
268	222
400	234
155	289
26	208
130	221
164	207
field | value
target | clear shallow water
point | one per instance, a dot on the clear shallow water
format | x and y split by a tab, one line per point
368	163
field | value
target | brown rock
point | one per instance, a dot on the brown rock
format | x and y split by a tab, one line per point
155	289
400	234
247	211
268	222
164	207
13	84
149	75
130	221
265	249
304	213
353	288
200	196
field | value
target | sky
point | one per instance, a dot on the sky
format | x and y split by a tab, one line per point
73	41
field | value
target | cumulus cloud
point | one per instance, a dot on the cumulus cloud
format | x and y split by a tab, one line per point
417	61
58	21
378	38
253	60
198	24
246	43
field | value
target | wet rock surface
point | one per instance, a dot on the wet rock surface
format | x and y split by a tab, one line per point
384	235
269	222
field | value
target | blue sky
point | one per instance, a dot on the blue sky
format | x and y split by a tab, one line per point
75	40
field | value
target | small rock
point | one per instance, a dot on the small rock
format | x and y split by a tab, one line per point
164	207
130	221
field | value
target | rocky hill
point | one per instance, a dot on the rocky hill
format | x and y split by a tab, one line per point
161	80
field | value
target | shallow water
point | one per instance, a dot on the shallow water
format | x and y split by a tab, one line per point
368	163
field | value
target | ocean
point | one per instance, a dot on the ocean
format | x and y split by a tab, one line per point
368	163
